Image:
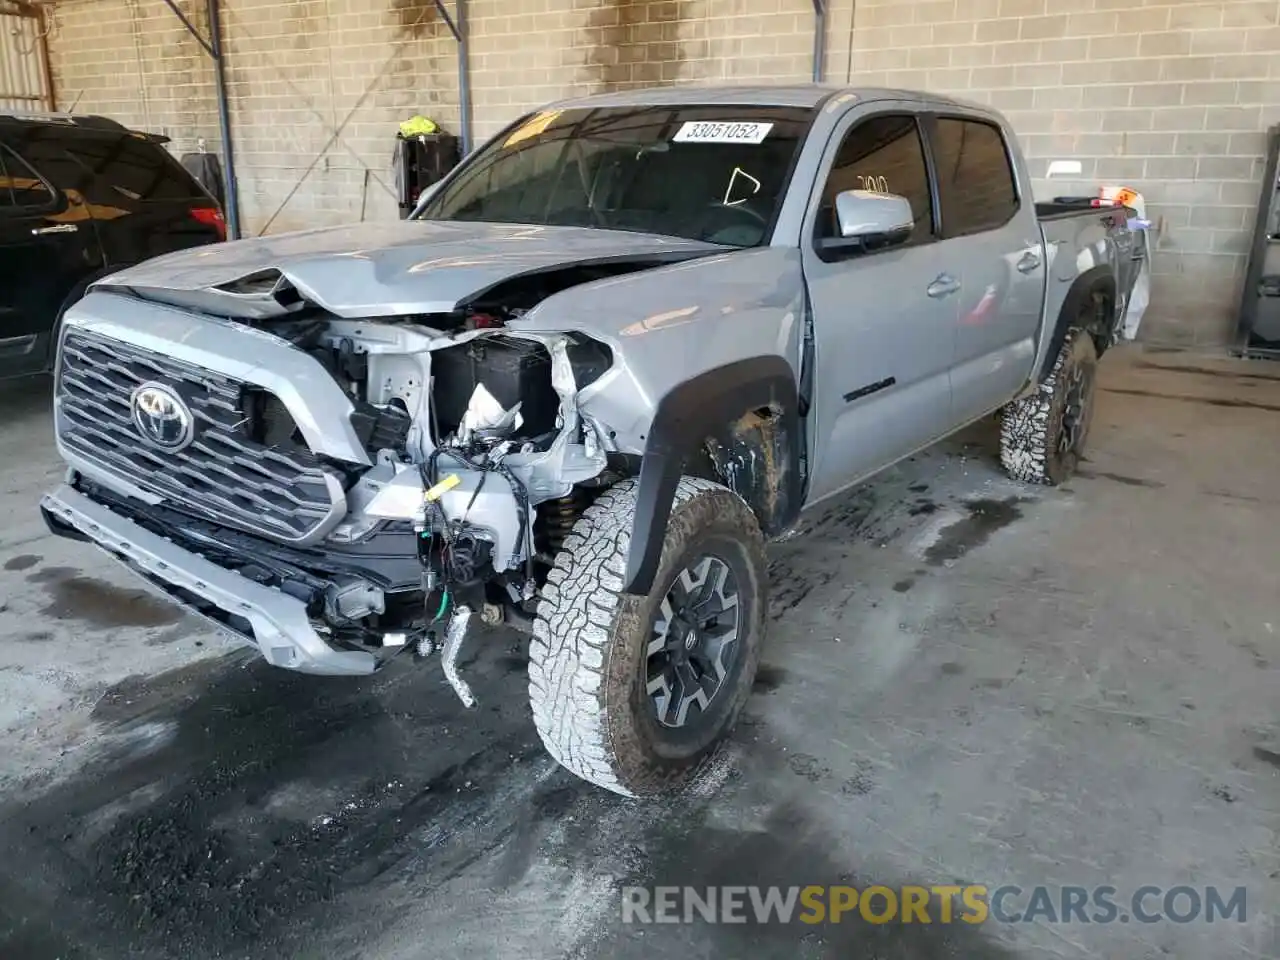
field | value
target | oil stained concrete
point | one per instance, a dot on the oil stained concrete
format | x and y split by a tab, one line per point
964	681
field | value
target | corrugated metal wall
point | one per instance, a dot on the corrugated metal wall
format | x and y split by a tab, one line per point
23	60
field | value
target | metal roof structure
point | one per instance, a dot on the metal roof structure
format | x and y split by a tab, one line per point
26	81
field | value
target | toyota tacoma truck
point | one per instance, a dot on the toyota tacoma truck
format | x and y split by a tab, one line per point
610	355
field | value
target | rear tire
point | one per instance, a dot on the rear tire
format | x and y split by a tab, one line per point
634	693
1043	436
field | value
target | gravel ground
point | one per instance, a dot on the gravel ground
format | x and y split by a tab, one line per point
964	681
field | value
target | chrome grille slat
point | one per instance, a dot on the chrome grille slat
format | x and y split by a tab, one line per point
223	475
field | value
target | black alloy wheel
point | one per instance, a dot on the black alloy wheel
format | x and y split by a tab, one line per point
1077	410
694	642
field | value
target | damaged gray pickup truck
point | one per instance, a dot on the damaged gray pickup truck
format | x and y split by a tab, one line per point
614	352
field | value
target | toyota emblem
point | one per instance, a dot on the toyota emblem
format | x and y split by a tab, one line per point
162	417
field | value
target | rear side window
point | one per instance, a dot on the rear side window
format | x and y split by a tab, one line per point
20	187
975	178
884	155
134	168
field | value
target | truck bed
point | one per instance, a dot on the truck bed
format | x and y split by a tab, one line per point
1061	207
1079	237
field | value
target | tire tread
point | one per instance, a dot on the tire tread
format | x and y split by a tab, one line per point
1027	432
574	625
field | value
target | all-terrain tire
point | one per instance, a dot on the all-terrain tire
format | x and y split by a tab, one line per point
1034	447
589	656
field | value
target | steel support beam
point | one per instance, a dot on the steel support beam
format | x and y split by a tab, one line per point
191	27
224	119
213	47
464	78
458	27
819	39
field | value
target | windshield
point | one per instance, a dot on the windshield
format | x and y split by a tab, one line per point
714	173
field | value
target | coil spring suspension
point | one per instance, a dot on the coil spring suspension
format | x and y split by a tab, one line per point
559	516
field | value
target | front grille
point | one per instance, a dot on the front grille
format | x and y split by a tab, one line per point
282	491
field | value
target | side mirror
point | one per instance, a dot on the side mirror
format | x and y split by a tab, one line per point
866	216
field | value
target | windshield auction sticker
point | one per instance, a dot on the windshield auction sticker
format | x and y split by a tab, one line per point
722	131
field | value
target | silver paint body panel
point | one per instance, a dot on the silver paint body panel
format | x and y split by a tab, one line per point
897	364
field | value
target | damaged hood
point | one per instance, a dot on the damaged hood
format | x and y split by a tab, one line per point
380	269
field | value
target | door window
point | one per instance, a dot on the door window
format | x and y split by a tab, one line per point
885	155
20	187
975	178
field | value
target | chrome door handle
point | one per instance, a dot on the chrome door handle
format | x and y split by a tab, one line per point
1029	263
944	286
60	228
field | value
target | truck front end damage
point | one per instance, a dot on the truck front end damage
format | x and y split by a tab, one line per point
563	394
335	491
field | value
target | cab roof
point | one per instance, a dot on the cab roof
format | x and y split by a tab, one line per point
789	95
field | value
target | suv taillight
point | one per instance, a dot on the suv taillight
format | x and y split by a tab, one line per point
212	217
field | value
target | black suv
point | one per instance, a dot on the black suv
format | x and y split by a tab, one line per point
81	197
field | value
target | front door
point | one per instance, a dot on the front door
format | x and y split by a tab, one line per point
46	244
884	320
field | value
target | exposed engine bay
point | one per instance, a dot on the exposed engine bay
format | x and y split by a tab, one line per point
476	459
481	465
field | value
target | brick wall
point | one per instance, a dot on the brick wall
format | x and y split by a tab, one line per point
1171	97
131	60
317	88
526	52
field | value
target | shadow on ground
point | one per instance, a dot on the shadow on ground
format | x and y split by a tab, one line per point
231	809
237	810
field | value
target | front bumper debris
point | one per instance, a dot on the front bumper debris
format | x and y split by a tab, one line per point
274	622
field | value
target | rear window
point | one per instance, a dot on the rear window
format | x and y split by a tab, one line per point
975	178
134	168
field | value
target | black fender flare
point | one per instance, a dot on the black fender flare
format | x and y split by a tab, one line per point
1100	279
703	407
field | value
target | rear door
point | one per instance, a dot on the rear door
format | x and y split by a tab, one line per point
884	319
46	245
991	235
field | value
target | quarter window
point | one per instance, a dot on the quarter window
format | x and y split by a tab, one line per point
975	179
885	155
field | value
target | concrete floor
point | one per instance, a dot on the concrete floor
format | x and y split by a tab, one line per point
964	681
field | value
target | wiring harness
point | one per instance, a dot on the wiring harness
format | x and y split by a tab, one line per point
459	552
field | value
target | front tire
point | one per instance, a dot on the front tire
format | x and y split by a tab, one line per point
1043	436
634	693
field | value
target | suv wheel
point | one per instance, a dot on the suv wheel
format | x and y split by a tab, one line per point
633	693
1042	437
